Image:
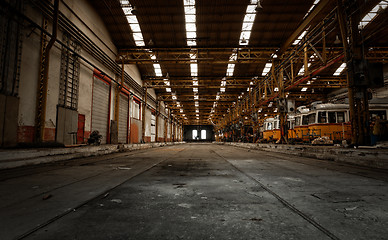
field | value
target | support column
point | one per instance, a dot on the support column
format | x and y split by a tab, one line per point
40	117
143	118
165	129
282	112
157	121
130	117
355	61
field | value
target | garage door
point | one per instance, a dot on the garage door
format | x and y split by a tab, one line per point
123	118
100	108
153	127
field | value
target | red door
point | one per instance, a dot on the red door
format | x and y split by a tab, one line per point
81	129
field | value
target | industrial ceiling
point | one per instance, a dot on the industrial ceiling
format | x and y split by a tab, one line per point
204	58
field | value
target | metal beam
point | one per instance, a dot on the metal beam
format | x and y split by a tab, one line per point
306	22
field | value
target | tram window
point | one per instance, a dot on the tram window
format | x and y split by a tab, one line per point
340	117
297	121
275	125
321	117
381	114
331	117
305	120
311	118
269	126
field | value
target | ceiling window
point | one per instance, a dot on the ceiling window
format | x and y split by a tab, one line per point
136	32
249	19
266	69
190	19
297	41
133	23
339	70
302	70
369	17
311	8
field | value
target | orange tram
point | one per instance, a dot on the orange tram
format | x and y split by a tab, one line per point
323	119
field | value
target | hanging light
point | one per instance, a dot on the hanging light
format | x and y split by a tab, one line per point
337	40
259	7
134	10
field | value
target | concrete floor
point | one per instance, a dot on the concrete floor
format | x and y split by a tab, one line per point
194	191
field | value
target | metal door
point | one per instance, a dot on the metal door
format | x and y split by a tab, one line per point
100	108
123	118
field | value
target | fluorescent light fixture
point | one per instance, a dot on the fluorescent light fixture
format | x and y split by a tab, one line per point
196	97
222	89
195	89
304	89
168	89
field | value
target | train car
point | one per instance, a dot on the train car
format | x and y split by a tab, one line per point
322	119
300	130
330	120
271	130
291	134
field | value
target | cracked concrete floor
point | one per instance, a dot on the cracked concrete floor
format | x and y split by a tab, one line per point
196	191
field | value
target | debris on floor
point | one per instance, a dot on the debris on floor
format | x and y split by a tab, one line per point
116	200
124	168
324	140
45	197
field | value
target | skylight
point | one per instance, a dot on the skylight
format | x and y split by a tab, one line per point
249	19
299	38
266	69
158	70
133	23
136	32
382	5
339	70
301	71
194	69
190	19
311	8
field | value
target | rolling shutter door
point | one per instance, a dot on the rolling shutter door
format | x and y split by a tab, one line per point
153	127
123	118
100	108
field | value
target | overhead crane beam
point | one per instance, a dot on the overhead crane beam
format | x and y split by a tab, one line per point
202	98
207	56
